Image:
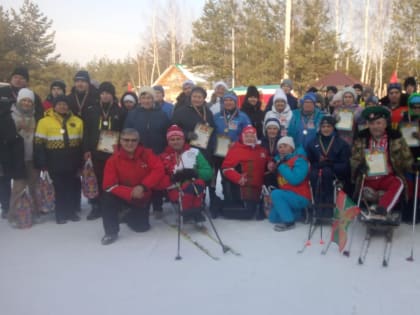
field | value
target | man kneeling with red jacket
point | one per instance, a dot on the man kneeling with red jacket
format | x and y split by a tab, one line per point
129	175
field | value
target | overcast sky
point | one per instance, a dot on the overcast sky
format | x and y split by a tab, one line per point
86	29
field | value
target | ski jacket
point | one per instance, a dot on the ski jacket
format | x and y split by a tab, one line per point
76	103
256	115
292	174
303	128
151	124
122	173
234	125
58	143
94	122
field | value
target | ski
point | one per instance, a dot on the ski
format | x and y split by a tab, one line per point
388	246
365	247
205	231
188	237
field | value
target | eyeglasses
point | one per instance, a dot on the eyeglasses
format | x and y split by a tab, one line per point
128	140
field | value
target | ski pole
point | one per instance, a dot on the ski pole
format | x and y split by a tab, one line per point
359	199
411	257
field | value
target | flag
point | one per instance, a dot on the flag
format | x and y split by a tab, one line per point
344	213
394	77
129	87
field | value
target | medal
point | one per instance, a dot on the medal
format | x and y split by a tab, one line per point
305	132
62	131
105	123
226	130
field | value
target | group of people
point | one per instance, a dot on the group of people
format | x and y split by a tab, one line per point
140	146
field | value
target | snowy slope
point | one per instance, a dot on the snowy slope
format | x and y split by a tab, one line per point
62	269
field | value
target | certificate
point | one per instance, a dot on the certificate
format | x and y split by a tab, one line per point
345	121
222	146
407	131
376	162
203	133
108	140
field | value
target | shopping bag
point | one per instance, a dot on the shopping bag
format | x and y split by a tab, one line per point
45	193
90	187
22	216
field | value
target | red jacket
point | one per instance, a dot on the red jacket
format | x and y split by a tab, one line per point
123	173
253	162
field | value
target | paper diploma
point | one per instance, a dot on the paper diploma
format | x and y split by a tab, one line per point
203	133
407	132
108	140
376	162
345	120
222	146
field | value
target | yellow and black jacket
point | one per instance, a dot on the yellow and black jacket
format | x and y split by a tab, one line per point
58	143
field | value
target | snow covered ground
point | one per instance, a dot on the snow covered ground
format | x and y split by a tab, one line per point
55	269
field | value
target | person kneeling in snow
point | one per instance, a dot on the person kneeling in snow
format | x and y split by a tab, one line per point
130	174
294	193
187	167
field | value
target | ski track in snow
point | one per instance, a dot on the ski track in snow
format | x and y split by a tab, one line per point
55	269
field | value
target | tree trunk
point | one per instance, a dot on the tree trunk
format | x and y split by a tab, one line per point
287	28
365	42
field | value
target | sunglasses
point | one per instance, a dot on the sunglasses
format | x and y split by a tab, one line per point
128	140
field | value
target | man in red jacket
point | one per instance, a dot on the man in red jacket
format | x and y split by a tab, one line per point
130	175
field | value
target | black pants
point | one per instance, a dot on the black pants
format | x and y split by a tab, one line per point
98	168
5	192
67	194
157	200
137	218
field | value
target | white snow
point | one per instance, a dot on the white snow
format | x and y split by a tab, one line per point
55	269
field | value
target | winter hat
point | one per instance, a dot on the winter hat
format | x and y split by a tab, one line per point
372	113
332	88
107	87
129	98
350	90
232	96
312	89
409	81
188	83
25	93
60	98
393	86
82	75
272	122
220	83
414	99
309	97
372	99
174	131
358	86
279	95
337	97
23	71
147	90
199	89
248	129
252	91
287	82
60	84
328	119
286	140
159	88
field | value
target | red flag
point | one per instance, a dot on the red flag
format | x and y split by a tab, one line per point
129	87
394	77
344	213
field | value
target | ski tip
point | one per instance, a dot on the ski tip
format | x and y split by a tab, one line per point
410	259
346	253
384	263
360	261
178	258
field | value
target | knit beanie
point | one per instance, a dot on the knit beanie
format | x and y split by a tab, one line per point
174	131
392	86
107	87
60	84
23	71
287	82
147	90
25	93
309	97
82	75
252	91
187	83
350	90
60	98
220	83
286	140
232	96
272	122
159	88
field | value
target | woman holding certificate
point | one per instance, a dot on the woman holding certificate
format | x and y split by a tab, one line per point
103	122
348	116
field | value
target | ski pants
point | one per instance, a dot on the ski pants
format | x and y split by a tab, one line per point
287	206
392	186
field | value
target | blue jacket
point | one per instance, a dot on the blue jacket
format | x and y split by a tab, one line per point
298	173
297	127
239	122
152	126
167	108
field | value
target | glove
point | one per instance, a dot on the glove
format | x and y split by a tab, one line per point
192	136
363	168
183	175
